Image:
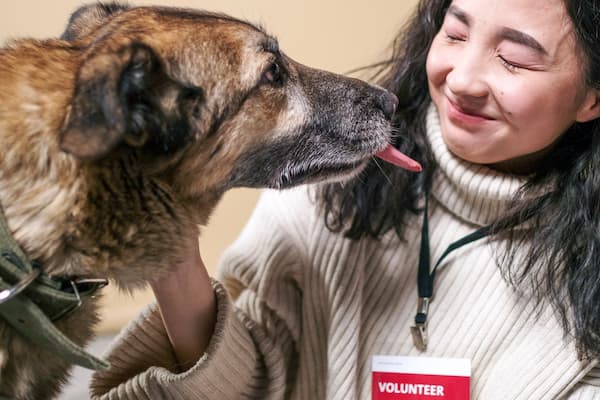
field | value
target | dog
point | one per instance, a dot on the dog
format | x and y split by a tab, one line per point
120	137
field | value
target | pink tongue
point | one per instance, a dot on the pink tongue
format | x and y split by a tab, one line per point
393	156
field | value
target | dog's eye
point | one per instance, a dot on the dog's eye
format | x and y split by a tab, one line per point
273	74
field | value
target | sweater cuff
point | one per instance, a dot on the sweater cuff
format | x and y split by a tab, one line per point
142	361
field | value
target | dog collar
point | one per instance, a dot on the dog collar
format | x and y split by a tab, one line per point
31	300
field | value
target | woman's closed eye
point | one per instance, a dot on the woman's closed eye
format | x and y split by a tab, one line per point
454	38
509	65
514	57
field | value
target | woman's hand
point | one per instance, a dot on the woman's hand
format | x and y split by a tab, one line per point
188	307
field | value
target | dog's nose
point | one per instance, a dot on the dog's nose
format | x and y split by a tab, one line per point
388	103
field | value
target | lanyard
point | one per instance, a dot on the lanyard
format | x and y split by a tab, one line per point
426	276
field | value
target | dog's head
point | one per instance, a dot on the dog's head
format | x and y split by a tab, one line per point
217	100
137	121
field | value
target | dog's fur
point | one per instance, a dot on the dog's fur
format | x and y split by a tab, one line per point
119	138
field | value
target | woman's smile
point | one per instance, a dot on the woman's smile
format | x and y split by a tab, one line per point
468	118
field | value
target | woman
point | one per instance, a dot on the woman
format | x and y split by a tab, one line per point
500	102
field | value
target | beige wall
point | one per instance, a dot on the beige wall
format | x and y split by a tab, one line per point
336	35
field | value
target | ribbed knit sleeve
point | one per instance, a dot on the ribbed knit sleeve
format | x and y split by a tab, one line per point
584	391
142	361
252	348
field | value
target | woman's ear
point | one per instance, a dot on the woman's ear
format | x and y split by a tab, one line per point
590	107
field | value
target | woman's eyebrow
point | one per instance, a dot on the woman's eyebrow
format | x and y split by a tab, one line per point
459	14
522	38
506	33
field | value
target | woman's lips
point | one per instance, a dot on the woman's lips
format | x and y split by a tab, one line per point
462	115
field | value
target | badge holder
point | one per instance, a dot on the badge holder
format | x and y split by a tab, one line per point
419	331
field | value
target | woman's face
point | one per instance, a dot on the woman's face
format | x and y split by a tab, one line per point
506	78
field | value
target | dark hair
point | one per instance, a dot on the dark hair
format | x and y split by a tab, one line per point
562	261
382	196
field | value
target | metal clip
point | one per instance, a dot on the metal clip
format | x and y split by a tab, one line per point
101	282
11	292
419	331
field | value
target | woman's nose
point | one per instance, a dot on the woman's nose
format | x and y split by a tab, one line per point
466	77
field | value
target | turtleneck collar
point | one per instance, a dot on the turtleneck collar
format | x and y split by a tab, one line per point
473	192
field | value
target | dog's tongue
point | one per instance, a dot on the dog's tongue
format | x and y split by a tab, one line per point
394	156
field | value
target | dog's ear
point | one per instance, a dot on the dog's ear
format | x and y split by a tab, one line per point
126	96
88	18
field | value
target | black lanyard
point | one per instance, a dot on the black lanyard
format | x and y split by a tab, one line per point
426	276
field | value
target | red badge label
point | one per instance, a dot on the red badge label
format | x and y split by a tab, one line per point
417	378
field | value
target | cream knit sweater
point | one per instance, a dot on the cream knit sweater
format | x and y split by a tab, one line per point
305	310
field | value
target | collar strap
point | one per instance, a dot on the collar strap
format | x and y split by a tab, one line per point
30	301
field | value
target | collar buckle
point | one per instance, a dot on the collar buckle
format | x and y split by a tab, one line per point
14	290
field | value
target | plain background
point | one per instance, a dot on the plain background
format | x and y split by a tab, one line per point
339	36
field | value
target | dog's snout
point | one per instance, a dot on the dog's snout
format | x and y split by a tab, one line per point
388	103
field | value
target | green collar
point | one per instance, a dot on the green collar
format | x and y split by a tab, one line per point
30	301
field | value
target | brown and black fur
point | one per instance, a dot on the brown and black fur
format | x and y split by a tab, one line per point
119	138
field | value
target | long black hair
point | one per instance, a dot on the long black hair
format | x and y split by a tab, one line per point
562	261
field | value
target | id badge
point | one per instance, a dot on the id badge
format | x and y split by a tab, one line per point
418	378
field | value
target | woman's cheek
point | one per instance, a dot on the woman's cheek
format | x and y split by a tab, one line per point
438	64
514	97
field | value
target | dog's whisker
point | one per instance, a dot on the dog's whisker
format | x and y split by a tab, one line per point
382	171
395	133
